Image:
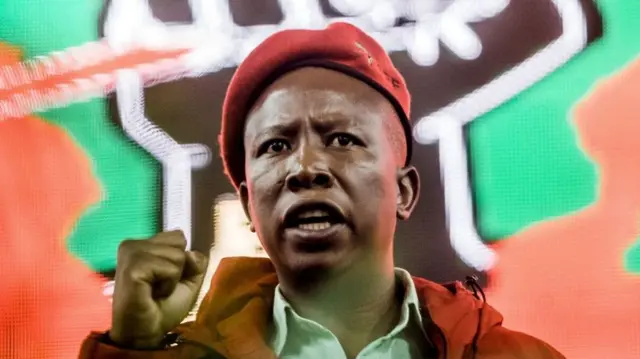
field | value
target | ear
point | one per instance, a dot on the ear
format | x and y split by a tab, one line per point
243	193
408	191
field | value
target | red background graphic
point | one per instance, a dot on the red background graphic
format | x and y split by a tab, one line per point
562	279
50	300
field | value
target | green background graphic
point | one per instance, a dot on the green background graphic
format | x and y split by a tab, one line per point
524	156
129	177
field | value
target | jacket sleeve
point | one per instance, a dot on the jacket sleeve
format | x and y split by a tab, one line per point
98	346
502	343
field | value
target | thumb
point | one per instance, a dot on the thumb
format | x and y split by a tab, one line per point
195	267
200	260
178	304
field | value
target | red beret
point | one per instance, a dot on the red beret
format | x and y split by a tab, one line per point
340	47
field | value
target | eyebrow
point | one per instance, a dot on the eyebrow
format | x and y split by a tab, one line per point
279	128
286	126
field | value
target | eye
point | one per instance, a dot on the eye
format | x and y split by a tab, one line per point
344	140
274	146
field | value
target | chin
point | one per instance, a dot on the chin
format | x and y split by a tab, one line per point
309	268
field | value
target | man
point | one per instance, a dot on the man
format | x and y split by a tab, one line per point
316	139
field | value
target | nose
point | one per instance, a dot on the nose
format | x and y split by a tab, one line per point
309	171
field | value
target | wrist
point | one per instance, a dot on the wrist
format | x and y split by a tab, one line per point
149	343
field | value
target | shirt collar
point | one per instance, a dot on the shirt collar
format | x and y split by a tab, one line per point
410	310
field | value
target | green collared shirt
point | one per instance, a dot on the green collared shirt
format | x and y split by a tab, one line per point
296	337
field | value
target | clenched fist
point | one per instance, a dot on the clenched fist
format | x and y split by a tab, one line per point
157	282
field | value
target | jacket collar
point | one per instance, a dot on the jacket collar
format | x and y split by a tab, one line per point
406	293
235	315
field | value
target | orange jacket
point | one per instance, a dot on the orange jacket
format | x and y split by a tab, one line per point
233	322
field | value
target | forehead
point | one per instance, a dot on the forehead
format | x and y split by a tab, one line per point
323	95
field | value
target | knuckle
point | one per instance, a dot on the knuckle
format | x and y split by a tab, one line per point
136	273
173	236
140	258
135	268
126	243
125	247
132	247
176	255
143	268
173	271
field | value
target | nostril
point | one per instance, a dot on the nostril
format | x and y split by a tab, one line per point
306	179
322	180
300	180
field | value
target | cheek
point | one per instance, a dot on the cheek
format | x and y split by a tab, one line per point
257	207
383	207
376	190
264	187
261	218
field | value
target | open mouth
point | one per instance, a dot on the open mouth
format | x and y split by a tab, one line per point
313	217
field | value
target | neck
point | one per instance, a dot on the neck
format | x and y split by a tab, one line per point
357	305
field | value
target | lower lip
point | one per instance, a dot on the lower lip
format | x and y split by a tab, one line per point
307	235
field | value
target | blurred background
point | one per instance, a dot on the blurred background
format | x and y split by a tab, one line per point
525	137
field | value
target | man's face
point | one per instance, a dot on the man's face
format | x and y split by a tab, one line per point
323	186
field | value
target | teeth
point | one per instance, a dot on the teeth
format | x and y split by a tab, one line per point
314	226
314	213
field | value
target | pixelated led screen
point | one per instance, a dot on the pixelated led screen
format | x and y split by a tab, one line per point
525	117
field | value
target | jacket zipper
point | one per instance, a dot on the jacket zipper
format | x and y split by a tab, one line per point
427	319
